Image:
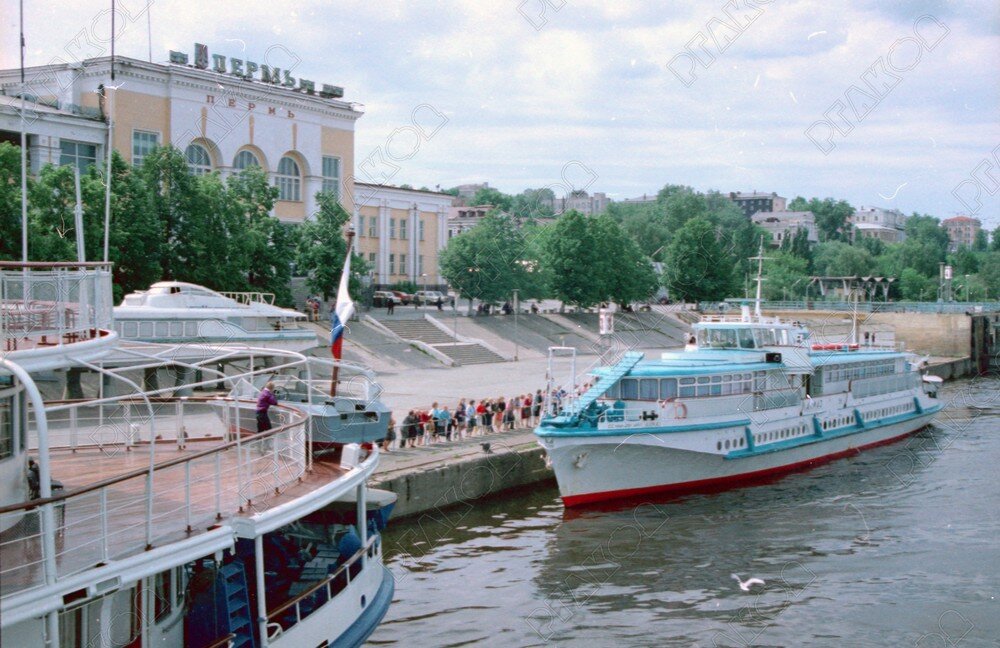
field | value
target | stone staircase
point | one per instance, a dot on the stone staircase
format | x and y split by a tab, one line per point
466	354
423	331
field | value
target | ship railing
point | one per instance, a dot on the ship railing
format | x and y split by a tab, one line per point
155	500
50	304
247	298
864	387
280	619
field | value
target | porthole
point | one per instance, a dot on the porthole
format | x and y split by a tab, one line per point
727	444
363	601
718	445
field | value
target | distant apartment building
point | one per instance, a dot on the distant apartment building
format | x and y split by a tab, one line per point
962	231
467	191
581	201
782	225
639	200
888	225
754	202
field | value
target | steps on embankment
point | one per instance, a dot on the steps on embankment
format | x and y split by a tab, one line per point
435	335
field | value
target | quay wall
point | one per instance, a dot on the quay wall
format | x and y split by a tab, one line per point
450	482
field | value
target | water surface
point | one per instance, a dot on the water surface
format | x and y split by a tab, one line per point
899	546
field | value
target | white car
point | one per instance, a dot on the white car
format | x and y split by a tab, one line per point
432	297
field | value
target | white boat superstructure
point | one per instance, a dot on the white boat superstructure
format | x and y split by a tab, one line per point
175	312
144	517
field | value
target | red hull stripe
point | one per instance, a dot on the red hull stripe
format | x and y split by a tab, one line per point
722	483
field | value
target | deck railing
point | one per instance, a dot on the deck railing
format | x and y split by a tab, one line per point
248	298
323	591
49	304
151	502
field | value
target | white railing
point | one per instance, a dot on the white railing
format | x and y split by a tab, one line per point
248	298
130	512
278	618
49	304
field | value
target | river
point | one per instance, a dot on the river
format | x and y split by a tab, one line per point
899	546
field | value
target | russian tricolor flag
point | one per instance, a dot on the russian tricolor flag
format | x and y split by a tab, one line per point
342	312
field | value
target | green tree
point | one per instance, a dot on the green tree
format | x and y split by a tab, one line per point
269	244
995	240
786	275
838	259
572	254
989	274
491	196
914	286
487	262
175	203
696	267
51	203
321	249
927	229
134	238
624	272
981	244
10	201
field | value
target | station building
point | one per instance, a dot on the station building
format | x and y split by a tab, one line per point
226	114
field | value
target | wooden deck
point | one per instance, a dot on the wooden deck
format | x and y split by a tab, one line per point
218	488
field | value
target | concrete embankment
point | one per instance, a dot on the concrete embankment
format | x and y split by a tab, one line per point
450	474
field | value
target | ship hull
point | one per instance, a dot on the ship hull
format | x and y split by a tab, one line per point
592	469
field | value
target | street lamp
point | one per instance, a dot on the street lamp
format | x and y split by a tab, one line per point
516	343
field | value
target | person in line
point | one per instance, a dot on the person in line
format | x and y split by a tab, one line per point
526	411
390	305
508	415
408	438
426	425
265	399
460	420
444	423
390	435
536	404
487	416
471	416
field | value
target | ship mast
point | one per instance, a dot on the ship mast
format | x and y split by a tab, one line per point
760	258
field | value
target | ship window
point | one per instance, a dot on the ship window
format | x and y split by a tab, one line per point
746	339
6	426
146	329
630	389
190	329
176	329
668	388
613	391
649	389
718	445
131	329
727	444
687	387
162	329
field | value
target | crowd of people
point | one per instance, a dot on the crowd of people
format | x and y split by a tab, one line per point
469	418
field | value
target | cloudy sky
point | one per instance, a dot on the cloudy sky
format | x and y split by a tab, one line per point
892	104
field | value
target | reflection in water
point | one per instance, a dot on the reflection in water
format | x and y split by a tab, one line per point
884	548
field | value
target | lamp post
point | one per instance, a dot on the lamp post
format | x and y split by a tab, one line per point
516	343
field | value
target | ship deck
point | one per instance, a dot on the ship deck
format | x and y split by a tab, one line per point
106	523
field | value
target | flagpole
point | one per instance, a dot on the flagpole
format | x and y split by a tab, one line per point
336	367
24	154
109	102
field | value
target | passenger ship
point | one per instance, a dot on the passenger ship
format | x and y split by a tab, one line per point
751	398
145	518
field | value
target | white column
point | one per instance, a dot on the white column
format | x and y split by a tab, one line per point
442	241
311	186
383	242
258	551
414	234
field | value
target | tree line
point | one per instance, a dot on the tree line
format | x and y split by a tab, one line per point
167	223
704	243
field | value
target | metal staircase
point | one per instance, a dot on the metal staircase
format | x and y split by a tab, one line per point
629	360
232	588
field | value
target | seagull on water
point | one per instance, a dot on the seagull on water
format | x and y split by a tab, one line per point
745	585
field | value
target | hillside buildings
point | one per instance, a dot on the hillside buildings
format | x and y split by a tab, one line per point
962	231
888	225
782	225
753	202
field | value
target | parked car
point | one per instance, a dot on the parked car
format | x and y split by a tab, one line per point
425	297
382	297
402	297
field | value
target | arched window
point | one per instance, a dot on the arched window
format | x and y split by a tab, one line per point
289	180
198	159
245	160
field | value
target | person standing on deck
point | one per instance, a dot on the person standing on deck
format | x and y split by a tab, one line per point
265	399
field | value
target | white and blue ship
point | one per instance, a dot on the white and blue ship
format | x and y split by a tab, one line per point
749	399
